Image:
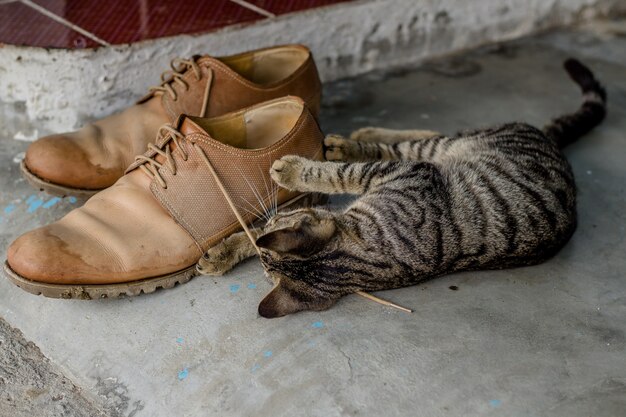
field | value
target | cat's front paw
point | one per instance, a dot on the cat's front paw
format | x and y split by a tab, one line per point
339	148
286	171
216	261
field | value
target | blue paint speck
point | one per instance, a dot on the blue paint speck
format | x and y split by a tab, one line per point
255	367
234	288
495	403
179	340
318	325
51	202
8	209
34	205
267	353
183	374
72	200
31	198
252	286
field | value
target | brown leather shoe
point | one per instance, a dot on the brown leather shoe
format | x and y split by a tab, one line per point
93	158
150	228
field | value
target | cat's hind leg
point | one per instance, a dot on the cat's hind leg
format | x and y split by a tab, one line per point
389	136
300	174
339	148
374	144
222	257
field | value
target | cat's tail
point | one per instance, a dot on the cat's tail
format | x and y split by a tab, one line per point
566	129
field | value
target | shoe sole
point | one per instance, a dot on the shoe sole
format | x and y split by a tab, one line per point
93	292
133	288
52	188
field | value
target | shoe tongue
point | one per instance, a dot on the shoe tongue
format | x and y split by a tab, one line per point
186	126
231	132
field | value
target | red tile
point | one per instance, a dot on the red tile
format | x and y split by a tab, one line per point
288	6
128	21
21	25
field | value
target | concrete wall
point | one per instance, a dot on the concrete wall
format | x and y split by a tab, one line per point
47	90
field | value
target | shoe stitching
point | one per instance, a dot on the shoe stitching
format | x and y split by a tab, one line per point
191	231
253	153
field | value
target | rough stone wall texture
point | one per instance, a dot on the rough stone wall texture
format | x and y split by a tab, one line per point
46	90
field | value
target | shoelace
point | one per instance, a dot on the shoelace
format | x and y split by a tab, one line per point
150	165
175	75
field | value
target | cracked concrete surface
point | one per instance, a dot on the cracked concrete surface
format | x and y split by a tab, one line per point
32	386
546	340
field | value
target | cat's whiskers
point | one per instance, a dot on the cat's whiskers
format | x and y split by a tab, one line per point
255	215
256	194
267	190
260	214
275	188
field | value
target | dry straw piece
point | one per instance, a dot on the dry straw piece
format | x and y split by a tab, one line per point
249	234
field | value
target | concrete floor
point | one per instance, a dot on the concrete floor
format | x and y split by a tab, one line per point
548	340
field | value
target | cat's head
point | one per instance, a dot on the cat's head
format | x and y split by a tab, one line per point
293	248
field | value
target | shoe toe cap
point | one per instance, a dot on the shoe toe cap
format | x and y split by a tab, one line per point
41	255
64	160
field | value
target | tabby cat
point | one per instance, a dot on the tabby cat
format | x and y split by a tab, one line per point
429	205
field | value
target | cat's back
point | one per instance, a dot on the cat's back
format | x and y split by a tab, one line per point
516	141
516	152
511	186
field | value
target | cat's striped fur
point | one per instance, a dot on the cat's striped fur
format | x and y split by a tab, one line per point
429	205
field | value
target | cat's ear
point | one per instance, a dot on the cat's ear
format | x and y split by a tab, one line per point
284	300
302	239
280	302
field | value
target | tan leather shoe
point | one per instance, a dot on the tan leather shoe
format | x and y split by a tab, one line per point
93	158
150	228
